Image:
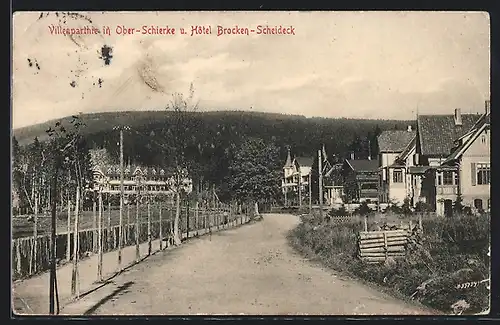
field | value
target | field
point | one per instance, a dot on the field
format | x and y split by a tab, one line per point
448	269
22	227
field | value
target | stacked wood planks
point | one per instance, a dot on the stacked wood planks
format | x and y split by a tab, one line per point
377	246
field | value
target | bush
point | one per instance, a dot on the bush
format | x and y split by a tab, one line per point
452	252
342	211
423	207
363	209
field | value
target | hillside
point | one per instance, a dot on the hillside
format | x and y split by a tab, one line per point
212	137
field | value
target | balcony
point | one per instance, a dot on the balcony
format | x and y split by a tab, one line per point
446	190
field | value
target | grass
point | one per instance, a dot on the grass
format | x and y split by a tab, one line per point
22	227
452	251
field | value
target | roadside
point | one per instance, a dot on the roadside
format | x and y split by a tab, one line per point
30	296
249	270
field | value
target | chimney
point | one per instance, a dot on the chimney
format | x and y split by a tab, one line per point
409	128
487	107
458	117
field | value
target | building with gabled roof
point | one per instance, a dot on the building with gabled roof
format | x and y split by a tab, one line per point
137	178
361	180
296	173
452	159
393	182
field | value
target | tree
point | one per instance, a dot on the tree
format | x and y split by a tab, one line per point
65	152
255	171
177	138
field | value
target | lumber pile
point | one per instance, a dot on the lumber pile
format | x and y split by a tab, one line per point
377	246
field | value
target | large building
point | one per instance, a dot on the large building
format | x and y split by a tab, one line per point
137	179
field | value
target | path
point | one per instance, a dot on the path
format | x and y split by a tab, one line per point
248	270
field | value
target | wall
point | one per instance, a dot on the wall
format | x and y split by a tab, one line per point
478	152
397	191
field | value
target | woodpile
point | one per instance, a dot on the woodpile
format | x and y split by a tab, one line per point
377	246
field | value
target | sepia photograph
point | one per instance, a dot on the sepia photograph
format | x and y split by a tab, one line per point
258	163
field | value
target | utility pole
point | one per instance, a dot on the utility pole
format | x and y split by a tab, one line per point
122	194
300	189
310	192
320	171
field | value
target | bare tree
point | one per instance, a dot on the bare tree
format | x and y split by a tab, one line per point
177	135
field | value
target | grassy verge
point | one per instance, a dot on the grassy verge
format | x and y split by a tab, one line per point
451	252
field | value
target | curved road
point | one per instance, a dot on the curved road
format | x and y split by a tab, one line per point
248	270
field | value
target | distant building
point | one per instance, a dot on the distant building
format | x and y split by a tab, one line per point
361	180
334	185
137	179
393	177
296	173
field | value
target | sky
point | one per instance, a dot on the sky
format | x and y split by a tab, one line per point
337	64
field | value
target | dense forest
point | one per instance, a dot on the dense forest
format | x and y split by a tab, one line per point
212	139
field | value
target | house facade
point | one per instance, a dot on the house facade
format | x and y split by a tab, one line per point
361	180
334	187
393	176
137	179
451	159
296	174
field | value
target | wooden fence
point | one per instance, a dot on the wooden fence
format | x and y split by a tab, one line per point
28	259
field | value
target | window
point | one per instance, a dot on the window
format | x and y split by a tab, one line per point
448	178
478	204
483	174
439	179
397	176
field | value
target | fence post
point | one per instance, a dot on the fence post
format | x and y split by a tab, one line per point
187	220
196	221
99	234
420	222
68	235
137	233
149	227
161	221
385	245
411	226
18	255
94	224
109	222
366	223
127	229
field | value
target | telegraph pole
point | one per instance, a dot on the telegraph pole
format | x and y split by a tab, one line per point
300	189
122	194
310	193
320	170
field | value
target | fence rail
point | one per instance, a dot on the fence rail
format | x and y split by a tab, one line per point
28	261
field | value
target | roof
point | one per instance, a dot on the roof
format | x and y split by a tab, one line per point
363	165
476	130
394	140
437	133
418	169
304	161
409	148
288	162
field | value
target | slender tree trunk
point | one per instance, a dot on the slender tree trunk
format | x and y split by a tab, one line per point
127	231
137	232
99	235
177	239
53	278
35	235
75	290
110	247
94	224
68	234
161	228
149	228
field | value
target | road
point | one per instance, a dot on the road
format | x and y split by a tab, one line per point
248	270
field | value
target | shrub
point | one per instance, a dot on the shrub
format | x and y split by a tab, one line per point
423	207
363	209
452	252
342	211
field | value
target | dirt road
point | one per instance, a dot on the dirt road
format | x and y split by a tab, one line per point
249	270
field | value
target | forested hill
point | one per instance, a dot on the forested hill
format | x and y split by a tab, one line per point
214	132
